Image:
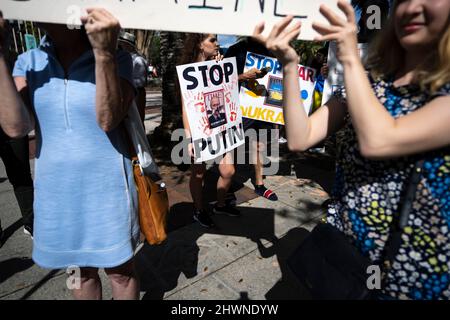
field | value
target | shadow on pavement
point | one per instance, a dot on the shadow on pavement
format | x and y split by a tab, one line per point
186	257
320	169
38	285
160	267
8	232
288	287
10	267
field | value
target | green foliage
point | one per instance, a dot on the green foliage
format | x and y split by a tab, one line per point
154	51
307	50
17	34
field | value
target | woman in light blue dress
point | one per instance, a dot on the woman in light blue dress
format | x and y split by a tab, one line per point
75	90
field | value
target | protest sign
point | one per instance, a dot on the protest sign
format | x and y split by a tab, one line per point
237	17
262	99
210	98
335	79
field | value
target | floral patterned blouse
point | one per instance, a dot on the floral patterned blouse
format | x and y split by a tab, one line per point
367	194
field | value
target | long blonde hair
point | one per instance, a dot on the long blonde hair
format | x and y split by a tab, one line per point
386	57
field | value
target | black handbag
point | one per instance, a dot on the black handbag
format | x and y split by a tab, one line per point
333	269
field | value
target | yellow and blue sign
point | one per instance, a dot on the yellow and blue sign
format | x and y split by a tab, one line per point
262	99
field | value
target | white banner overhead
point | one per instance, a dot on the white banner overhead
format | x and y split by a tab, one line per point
236	17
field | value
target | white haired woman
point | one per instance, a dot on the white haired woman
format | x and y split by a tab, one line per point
75	90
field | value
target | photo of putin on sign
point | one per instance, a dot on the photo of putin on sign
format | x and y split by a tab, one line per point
216	111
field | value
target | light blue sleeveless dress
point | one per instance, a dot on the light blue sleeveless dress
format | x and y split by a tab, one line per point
85	201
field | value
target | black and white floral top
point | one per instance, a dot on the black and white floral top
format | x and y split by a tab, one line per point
368	193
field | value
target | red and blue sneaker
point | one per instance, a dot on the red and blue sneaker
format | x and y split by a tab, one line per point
262	191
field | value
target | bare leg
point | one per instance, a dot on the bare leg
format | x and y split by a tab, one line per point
124	281
91	286
260	189
196	184
227	170
258	165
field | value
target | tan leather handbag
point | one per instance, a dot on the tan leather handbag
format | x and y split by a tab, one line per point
153	205
153	202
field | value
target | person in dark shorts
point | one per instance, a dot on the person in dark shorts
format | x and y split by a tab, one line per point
15	156
262	128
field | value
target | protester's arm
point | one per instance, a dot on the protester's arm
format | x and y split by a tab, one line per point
382	136
113	95
302	131
379	134
249	75
15	118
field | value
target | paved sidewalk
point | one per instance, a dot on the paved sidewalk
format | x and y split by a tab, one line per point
243	258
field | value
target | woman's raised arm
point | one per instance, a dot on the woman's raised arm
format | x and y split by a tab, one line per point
379	134
302	131
16	119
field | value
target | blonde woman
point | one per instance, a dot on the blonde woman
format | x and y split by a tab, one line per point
387	121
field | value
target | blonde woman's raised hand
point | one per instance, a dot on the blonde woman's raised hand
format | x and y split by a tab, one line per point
102	29
278	41
343	31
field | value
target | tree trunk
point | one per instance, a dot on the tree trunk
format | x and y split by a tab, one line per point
170	50
143	41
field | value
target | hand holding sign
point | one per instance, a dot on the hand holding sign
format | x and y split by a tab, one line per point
102	29
219	57
279	39
251	74
343	31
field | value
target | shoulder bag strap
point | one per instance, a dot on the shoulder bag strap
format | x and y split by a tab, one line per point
401	219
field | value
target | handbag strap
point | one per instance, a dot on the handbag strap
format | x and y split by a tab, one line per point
401	218
135	160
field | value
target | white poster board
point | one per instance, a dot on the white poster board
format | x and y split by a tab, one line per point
210	97
335	79
264	101
237	17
